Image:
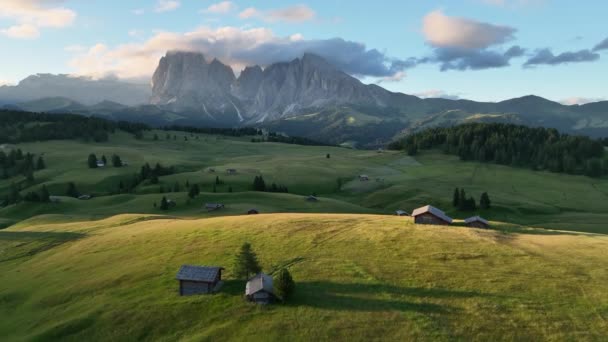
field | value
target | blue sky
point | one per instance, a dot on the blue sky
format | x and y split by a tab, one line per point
478	49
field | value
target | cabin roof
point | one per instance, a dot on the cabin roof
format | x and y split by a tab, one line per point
213	205
477	219
432	210
261	282
198	273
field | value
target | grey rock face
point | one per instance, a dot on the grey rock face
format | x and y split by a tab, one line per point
184	81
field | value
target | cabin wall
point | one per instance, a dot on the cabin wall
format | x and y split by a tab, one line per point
428	218
188	288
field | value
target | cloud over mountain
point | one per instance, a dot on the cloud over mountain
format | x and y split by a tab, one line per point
546	57
237	47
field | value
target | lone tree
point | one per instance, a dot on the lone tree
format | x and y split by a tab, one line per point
456	198
72	191
484	201
104	160
246	262
284	284
194	191
164	204
328	156
116	161
92	161
259	184
44	194
40	165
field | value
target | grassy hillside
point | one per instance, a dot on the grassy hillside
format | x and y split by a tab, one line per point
359	277
519	196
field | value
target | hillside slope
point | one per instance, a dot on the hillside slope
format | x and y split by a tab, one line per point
358	277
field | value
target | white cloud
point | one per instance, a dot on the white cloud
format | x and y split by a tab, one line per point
138	11
236	47
444	31
221	8
166	5
397	77
436	93
292	14
30	16
581	100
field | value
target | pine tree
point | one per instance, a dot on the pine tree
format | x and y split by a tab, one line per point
462	200
44	194
176	187
92	161
328	156
230	189
484	201
164	204
14	195
456	198
40	165
194	191
72	191
116	161
284	285
217	180
104	160
246	262
214	188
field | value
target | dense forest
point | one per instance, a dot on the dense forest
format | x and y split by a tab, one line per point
17	126
506	144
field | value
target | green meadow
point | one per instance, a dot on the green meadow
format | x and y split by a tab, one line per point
104	269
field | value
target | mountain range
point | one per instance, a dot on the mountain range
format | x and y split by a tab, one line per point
306	96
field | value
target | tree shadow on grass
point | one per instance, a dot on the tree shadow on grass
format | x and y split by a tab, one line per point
375	297
25	244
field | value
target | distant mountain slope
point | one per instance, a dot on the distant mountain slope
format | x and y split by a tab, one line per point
306	97
80	89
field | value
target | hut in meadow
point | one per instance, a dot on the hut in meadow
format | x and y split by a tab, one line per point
477	222
252	211
401	213
431	215
312	198
363	178
214	206
199	279
260	289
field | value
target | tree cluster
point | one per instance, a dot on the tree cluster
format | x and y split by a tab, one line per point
260	185
507	144
17	163
464	203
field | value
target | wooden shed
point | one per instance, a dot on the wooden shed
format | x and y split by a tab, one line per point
214	206
312	198
252	211
231	171
431	215
260	289
401	213
363	178
477	222
199	279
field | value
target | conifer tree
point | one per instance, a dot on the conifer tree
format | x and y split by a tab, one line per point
484	201
164	204
246	262
44	194
72	191
92	161
456	198
40	165
284	285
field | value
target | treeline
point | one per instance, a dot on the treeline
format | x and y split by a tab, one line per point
232	132
274	137
17	126
260	185
506	144
17	163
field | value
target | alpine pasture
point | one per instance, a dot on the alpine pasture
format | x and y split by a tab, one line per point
104	268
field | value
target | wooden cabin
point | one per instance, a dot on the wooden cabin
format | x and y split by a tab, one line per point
214	206
401	213
477	222
252	212
312	198
84	197
431	215
100	163
363	178
199	279
231	171
260	289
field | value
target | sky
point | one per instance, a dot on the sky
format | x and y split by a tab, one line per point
485	50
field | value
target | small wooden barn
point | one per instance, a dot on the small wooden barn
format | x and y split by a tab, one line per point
312	198
431	215
363	178
214	206
252	211
231	171
477	222
260	289
401	213
199	279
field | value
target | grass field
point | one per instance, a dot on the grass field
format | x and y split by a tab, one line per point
519	196
359	277
104	269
